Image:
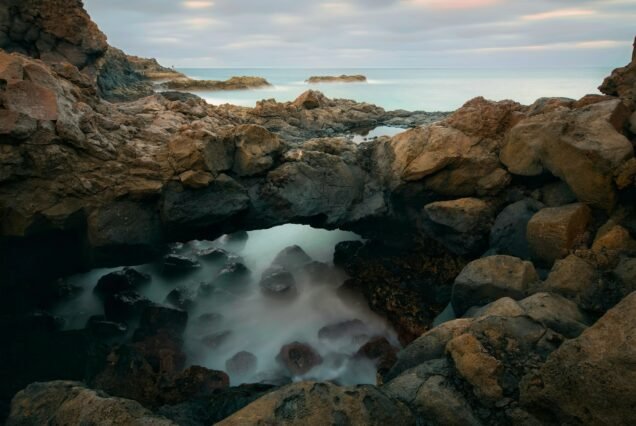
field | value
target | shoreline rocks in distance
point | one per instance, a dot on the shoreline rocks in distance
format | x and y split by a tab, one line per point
336	79
234	83
152	70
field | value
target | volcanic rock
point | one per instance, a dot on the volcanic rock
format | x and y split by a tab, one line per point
298	358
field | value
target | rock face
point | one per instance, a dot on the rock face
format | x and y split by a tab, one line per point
622	82
336	79
69	403
323	403
589	380
553	232
488	279
234	83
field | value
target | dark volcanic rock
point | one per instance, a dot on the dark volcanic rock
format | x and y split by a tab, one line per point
213	254
175	264
100	327
242	363
182	298
343	329
298	358
155	318
127	279
381	351
215	340
125	306
292	258
278	282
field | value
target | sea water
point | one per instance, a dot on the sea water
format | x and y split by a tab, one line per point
427	89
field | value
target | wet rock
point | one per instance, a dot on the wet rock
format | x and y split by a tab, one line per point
490	278
557	194
236	241
256	149
508	233
323	403
298	358
127	279
233	274
65	402
155	318
578	280
125	306
182	297
590	379
216	340
100	327
381	351
292	258
242	364
556	312
276	281
319	272
178	264
213	254
553	232
344	329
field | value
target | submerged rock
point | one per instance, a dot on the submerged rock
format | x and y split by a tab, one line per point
127	279
176	264
242	364
292	258
216	340
343	329
276	281
298	358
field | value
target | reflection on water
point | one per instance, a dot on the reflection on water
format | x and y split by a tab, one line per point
234	319
367	136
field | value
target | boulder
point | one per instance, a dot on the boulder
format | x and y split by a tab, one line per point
345	329
277	281
183	297
621	83
553	232
490	278
583	147
576	279
557	194
71	403
155	318
256	149
310	99
298	358
462	215
178	264
216	340
477	366
323	403
126	279
590	380
125	306
504	307
292	258
233	274
508	233
556	312
380	350
242	364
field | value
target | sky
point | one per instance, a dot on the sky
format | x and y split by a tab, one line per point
371	33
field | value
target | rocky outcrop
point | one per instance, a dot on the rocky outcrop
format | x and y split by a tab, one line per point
64	402
622	82
336	79
589	380
234	83
153	70
323	403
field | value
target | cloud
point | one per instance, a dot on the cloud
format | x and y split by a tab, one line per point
197	4
377	33
560	13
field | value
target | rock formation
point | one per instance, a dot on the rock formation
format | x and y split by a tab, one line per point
234	83
336	79
519	218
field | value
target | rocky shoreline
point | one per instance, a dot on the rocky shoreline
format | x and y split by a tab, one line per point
234	83
518	220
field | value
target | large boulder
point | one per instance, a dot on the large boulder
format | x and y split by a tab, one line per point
590	380
508	233
490	278
553	232
622	82
256	149
582	146
556	312
308	403
71	403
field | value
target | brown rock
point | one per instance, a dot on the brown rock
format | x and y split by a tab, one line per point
590	380
462	215
31	99
553	232
195	179
311	403
380	350
255	149
242	364
475	365
310	99
298	358
336	79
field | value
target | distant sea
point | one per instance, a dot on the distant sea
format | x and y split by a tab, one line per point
428	89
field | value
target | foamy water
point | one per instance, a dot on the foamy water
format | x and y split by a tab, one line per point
254	322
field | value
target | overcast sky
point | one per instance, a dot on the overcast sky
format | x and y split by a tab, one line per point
371	33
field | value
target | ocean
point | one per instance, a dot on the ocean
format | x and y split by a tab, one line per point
427	89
